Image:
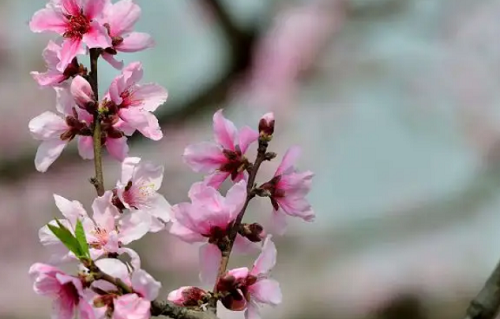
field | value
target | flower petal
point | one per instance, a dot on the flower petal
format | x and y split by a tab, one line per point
145	284
117	147
252	311
266	291
246	137
210	257
133	226
131	306
151	96
267	258
47	126
86	147
122	16
204	157
224	131
113	267
70	49
135	41
82	91
72	210
47	153
216	179
93	8
110	58
236	197
48	20
97	36
289	159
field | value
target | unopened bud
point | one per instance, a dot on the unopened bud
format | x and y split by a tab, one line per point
188	296
253	232
266	125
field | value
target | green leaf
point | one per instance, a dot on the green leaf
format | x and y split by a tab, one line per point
66	237
82	239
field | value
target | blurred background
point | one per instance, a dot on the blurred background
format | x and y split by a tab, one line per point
394	102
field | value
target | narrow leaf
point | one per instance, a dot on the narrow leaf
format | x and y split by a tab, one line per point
66	237
82	239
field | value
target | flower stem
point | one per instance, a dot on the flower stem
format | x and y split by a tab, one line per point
98	180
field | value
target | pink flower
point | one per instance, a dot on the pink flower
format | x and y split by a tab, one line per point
66	292
224	158
112	136
55	131
207	217
288	189
136	102
76	21
188	296
54	77
106	232
247	289
137	189
109	230
119	19
134	305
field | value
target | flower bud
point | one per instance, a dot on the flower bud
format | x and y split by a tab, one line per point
266	125
83	94
253	232
188	296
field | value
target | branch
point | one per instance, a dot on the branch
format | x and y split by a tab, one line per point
98	180
487	303
233	232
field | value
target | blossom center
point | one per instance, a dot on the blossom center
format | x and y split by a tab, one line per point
77	26
138	196
235	162
101	238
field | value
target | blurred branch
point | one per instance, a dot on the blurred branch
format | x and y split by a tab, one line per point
241	44
487	303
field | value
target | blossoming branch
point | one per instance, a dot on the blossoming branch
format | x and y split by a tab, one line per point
102	285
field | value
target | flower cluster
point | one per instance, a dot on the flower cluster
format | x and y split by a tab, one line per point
105	286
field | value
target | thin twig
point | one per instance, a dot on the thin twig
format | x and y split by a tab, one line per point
98	180
233	232
487	303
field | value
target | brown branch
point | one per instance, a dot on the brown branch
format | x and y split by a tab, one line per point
98	180
487	303
233	231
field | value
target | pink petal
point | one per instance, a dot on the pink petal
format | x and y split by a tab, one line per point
143	121
135	41
244	246
45	280
129	165
47	126
131	306
267	258
64	100
266	291
297	206
279	223
160	208
63	308
135	260
216	179
51	54
239	273
117	147
82	91
116	88
145	285
86	147
113	267
184	233
148	174
224	131
70	49
110	58
252	311
105	212
47	153
49	78
236	197
204	157
71	7
288	160
48	20
122	16
133	226
246	137
97	36
85	310
150	95
210	257
72	210
93	8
